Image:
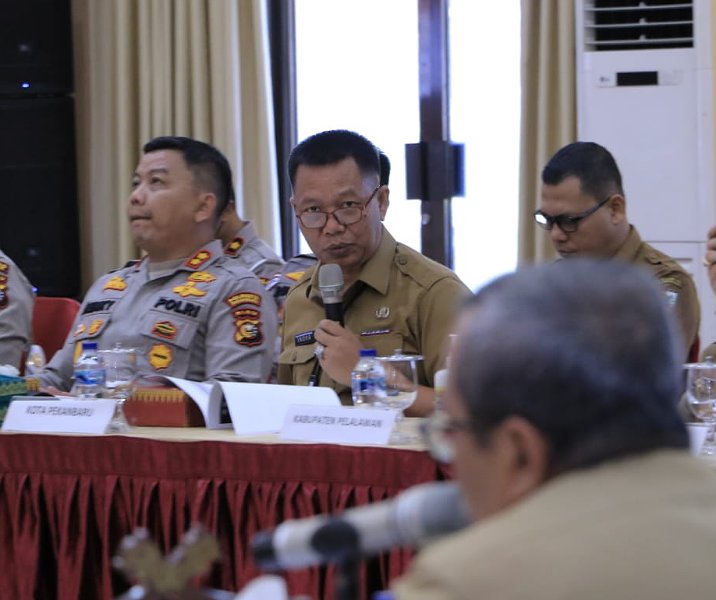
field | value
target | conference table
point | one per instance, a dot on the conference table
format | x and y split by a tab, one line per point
66	502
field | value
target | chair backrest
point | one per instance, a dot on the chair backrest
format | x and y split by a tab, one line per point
52	320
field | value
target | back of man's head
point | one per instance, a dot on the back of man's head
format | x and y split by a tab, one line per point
591	163
331	147
584	350
209	167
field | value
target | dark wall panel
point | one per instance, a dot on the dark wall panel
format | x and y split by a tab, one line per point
38	199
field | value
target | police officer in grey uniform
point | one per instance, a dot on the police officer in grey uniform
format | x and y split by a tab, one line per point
188	310
16	301
242	243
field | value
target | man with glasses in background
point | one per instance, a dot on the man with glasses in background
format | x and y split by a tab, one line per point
561	424
583	210
393	297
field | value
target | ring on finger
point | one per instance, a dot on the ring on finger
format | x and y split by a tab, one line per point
318	351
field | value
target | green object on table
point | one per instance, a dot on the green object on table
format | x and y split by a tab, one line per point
9	387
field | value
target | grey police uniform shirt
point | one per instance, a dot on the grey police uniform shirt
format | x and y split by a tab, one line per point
250	251
200	319
16	302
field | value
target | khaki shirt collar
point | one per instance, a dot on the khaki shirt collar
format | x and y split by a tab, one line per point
629	249
375	272
214	248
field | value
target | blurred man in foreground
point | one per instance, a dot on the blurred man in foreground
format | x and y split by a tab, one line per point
561	423
393	297
16	301
189	310
583	209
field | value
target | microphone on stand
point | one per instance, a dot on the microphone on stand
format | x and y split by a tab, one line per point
330	282
411	518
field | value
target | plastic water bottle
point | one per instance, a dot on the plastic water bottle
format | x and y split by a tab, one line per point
90	373
368	380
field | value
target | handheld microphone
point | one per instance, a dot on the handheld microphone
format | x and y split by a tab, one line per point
411	518
330	282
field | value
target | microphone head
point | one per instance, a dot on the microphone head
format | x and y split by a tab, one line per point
330	282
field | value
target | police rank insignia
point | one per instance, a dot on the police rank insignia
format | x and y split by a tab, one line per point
188	289
115	283
4	298
160	356
233	247
4	267
198	260
202	277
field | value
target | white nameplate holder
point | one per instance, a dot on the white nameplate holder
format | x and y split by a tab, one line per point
338	424
258	408
43	415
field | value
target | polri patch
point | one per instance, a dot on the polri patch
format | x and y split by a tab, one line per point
243	298
248	333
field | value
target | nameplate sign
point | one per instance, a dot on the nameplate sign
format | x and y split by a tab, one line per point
58	416
338	424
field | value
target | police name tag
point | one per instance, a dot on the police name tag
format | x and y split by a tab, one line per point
42	415
338	424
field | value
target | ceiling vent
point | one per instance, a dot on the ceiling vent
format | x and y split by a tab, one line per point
638	24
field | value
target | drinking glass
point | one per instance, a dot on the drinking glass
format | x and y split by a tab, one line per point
701	398
121	368
401	389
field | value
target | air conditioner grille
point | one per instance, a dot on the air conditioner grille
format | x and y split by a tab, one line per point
638	24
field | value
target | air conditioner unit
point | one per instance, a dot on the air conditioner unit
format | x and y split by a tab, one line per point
645	92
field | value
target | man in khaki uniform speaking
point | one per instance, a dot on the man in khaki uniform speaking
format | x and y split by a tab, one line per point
393	297
583	210
190	311
561	424
16	301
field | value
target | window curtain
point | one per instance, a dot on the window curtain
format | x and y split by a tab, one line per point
549	118
143	68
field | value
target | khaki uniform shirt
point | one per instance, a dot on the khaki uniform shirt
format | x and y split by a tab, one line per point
16	301
401	300
641	527
253	253
199	319
677	283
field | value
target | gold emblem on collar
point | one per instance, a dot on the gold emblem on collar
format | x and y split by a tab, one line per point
382	313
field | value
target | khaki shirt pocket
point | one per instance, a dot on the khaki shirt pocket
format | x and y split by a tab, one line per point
296	364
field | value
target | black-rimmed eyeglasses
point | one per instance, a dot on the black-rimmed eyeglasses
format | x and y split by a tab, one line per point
346	215
567	223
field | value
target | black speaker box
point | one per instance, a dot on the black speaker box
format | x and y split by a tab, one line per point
38	203
35	47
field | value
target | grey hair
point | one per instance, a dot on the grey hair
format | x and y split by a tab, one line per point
585	350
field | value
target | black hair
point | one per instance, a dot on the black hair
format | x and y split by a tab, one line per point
209	167
591	163
331	147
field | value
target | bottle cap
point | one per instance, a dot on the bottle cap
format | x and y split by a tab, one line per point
368	352
89	345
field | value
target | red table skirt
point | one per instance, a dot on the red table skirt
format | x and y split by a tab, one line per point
66	502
